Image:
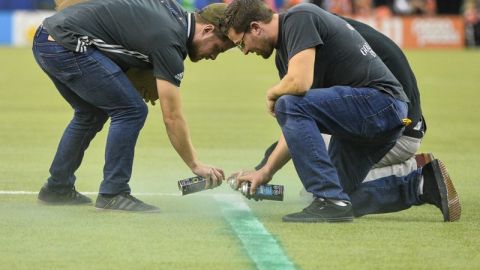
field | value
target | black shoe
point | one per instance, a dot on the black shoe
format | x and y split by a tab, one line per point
438	190
72	197
322	210
123	202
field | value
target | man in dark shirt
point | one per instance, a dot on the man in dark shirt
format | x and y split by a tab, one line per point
85	50
333	82
401	158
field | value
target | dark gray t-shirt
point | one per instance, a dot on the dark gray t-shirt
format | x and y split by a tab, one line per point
397	63
342	57
142	33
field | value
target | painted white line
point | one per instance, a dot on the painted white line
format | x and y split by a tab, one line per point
9	192
206	194
261	246
20	192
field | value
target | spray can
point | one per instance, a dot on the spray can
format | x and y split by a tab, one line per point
263	192
232	181
193	184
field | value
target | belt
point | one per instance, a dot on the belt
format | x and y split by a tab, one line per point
418	131
43	31
413	133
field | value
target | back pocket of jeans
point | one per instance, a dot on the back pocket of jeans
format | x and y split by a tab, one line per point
62	65
385	120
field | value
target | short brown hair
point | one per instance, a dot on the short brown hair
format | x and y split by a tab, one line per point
240	13
213	14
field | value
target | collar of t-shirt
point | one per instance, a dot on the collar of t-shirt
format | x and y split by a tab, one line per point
190	27
280	26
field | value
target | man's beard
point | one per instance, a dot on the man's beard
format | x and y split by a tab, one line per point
193	53
267	53
267	49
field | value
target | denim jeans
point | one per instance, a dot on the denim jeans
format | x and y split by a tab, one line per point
365	124
97	89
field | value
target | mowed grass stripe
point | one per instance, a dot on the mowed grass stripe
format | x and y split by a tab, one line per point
260	245
262	248
230	129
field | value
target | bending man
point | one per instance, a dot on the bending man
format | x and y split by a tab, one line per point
85	49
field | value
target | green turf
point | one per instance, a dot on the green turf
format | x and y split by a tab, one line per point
224	105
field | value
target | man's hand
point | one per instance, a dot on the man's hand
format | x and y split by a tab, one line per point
235	175
256	178
271	103
61	4
145	83
297	81
214	175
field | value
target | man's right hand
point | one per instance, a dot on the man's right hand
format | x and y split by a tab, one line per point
214	175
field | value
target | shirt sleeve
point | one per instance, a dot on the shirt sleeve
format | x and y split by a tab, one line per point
168	64
301	32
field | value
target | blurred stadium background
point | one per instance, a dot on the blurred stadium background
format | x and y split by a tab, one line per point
410	23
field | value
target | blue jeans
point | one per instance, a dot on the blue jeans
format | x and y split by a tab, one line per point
97	89
364	124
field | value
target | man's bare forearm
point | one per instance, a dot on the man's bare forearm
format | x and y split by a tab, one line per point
279	157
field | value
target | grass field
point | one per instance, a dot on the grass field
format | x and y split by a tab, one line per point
224	105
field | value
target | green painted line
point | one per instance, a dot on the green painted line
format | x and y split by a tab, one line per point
261	246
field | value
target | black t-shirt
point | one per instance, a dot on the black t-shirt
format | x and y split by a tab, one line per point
343	57
396	61
142	33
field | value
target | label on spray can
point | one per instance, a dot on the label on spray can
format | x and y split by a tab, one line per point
192	185
263	192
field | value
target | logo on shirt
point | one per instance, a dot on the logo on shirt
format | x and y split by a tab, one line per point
179	76
84	41
365	49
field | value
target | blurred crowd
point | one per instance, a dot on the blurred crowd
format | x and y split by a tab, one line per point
383	8
469	9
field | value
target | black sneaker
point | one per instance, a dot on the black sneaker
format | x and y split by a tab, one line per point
123	202
72	197
322	210
438	190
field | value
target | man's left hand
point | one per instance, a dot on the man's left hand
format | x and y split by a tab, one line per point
271	99
256	178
